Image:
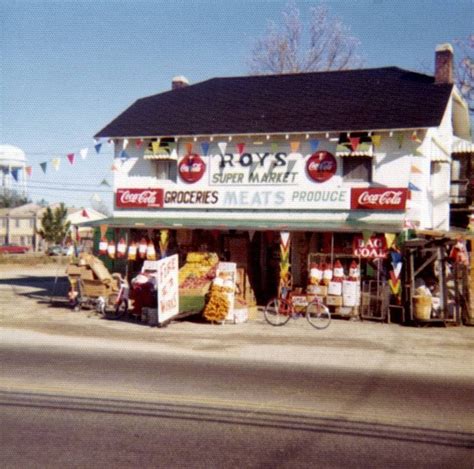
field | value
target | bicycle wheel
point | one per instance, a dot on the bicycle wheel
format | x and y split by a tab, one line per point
119	310
318	315
277	312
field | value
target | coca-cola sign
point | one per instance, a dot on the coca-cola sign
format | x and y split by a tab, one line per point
379	199
321	166
139	198
191	168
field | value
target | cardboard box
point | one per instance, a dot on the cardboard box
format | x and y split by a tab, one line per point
332	300
86	273
320	290
335	288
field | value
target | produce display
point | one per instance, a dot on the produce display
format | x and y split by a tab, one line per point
217	306
198	271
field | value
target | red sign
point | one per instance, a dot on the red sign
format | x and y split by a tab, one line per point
191	168
379	199
139	198
321	166
374	247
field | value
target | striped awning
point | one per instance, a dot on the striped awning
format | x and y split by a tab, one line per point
462	146
173	156
363	149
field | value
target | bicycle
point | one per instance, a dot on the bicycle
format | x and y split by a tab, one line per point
279	311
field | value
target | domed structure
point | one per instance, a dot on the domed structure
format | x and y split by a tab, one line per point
12	160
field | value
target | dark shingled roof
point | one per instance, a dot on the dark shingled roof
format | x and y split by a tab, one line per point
369	99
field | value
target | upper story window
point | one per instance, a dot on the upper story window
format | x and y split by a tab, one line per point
163	154
357	168
356	151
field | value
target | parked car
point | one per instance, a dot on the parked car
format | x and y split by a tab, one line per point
13	249
57	250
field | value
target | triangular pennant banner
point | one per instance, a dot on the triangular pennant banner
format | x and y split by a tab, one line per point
205	148
295	146
412	187
395	286
396	257
366	235
414	137
43	167
189	148
222	147
70	157
390	239
113	167
125	143
376	140
96	198
415	170
103	230
398	269
400	138
314	144
83	153
240	148
29	170
155	146
285	238
84	213
138	142
123	156
56	162
14	173
98	147
251	234
105	183
354	142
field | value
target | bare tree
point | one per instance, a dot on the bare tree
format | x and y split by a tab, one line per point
465	69
283	49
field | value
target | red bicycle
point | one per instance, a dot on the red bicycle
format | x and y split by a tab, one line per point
279	311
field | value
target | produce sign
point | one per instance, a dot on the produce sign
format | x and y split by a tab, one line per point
167	288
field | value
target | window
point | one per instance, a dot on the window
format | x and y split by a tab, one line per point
166	169
357	168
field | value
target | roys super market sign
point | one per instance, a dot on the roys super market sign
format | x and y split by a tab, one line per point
284	198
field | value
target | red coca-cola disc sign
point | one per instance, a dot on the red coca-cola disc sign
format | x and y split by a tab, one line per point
379	199
191	168
321	166
139	198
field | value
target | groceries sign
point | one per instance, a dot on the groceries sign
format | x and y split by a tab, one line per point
379	199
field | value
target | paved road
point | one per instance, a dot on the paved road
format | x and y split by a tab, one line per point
67	407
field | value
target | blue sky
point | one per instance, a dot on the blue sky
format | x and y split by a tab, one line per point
69	67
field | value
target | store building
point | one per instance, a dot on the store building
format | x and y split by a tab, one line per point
338	159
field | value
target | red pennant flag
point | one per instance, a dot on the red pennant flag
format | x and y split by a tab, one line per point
189	148
355	143
240	148
138	142
84	213
70	157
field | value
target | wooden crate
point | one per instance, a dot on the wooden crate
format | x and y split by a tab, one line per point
96	288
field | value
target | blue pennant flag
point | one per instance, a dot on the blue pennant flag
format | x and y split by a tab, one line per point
15	174
412	187
205	148
396	257
97	147
123	156
314	145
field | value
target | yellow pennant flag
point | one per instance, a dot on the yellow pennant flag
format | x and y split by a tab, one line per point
294	146
376	139
390	239
103	230
56	162
155	146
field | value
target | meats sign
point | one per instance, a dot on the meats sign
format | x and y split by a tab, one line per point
379	199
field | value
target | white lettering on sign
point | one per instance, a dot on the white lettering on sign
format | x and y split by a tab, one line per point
372	248
384	198
145	197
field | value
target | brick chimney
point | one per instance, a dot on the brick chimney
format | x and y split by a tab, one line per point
179	82
444	64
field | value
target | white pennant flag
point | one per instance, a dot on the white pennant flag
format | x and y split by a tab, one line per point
83	153
96	198
222	147
125	143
